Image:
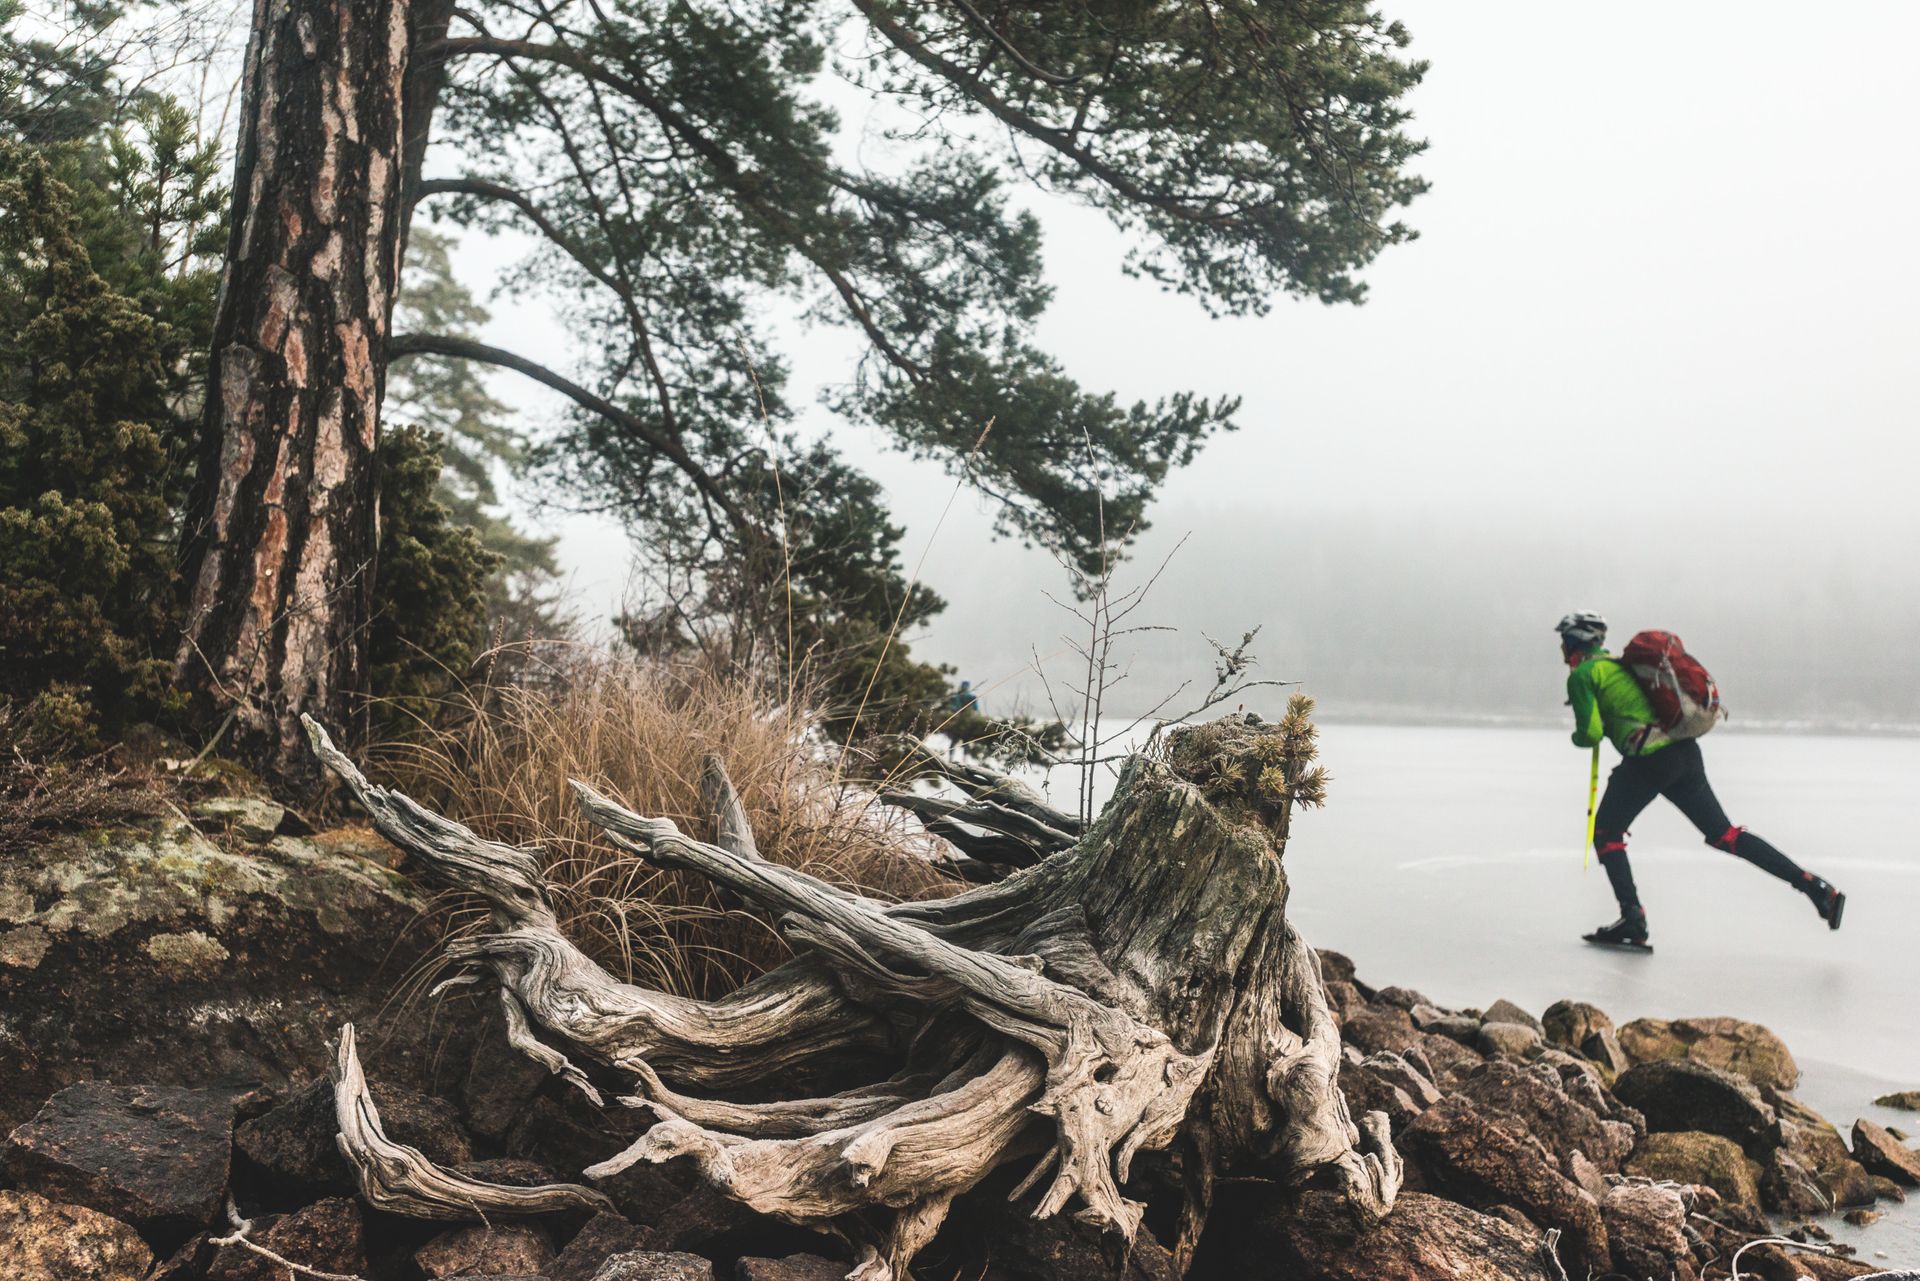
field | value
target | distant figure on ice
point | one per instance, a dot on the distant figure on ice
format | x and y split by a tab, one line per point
1659	756
963	699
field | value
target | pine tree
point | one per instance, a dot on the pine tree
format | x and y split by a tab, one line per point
87	443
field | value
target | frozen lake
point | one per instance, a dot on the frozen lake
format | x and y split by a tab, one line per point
1450	860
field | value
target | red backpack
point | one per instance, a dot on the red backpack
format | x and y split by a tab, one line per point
1685	700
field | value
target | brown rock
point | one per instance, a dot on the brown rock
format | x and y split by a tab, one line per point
1905	1100
1508	1214
1344	1000
1404	998
1257	1233
1449	1057
1335	965
1691	1156
291	1149
1816	1145
1884	1155
500	1083
42	1240
1684	1094
1386	1083
1602	1049
1505	1011
1507	1040
1380	1027
327	1236
358	841
1065	1249
604	1236
1862	1217
1459	1028
1366	1092
1532	1102
566	1133
795	1267
1568	1024
1468	1157
1788	1186
505	1249
1646	1231
700	1217
1733	1045
1582	1080
189	1262
645	1265
1773	1263
152	1156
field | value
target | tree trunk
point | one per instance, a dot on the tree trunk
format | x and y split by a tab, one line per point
283	535
1138	991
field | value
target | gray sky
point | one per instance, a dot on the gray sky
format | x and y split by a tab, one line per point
1653	354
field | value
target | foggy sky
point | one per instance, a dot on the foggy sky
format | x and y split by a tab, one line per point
1652	355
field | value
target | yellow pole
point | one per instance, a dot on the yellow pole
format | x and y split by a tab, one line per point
1593	797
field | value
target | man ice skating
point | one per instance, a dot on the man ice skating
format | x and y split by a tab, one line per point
1608	701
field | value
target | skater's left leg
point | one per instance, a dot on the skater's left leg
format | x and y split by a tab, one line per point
1693	795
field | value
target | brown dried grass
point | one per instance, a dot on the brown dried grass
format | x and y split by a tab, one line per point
638	731
39	796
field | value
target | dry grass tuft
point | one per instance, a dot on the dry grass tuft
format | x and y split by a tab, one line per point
638	731
39	796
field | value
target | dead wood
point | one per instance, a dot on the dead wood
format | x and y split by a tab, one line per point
1138	990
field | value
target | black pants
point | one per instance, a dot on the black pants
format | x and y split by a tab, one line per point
1678	773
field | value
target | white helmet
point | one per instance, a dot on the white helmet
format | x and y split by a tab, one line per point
1583	628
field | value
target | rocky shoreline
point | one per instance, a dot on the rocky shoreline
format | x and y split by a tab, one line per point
167	990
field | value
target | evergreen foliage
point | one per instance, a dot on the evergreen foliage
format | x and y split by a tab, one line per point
430	595
450	400
87	448
111	223
686	181
684	171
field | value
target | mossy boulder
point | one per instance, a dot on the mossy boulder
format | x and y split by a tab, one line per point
1732	1045
1694	1156
150	953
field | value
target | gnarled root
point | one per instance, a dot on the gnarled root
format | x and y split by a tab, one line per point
394	1177
1316	1131
1136	989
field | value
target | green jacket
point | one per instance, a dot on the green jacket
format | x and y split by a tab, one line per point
1608	701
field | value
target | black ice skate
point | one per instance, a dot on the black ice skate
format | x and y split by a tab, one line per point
1628	934
1828	901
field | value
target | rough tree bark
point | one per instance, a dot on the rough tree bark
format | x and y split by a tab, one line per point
282	535
1138	991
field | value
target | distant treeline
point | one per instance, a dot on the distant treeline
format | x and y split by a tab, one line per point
1809	621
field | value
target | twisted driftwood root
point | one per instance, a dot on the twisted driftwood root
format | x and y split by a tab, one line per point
395	1177
1136	987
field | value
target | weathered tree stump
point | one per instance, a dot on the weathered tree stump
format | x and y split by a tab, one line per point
1138	990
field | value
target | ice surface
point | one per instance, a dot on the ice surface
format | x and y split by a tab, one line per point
1449	860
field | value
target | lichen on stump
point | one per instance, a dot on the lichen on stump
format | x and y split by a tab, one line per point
1139	990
